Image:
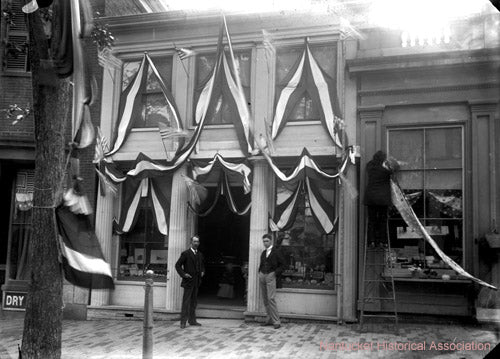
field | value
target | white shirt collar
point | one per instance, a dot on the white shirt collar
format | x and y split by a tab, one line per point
194	251
268	250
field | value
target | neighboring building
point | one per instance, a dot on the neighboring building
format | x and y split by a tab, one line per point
17	153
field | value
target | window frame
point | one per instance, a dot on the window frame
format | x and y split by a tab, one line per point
147	93
195	97
334	46
334	245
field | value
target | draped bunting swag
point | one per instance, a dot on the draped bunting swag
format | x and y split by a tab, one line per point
322	211
135	191
223	81
223	188
241	169
306	76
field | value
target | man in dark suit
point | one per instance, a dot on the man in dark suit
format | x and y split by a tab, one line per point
271	266
191	268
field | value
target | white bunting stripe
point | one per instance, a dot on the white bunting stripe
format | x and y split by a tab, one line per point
285	96
159	213
318	210
285	216
129	219
128	109
85	263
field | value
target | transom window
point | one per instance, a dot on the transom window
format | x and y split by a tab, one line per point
154	105
431	176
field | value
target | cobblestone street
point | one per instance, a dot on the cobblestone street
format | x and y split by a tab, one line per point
218	338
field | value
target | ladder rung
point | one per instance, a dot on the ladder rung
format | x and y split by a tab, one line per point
380	315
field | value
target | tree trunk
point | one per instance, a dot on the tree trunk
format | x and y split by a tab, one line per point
51	102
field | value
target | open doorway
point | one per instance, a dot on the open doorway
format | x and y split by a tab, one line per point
224	242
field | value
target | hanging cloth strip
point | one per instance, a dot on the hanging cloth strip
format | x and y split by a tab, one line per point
409	216
223	188
240	168
306	76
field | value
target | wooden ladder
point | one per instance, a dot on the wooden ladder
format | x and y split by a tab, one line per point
378	287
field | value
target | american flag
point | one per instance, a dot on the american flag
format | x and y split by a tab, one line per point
184	53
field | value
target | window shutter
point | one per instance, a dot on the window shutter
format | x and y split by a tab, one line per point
16	36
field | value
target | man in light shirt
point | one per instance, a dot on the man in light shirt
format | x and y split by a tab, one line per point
271	266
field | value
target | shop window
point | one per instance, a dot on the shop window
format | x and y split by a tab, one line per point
224	111
431	176
15	41
308	252
143	248
326	56
21	226
154	104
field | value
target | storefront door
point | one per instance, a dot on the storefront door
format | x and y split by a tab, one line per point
224	239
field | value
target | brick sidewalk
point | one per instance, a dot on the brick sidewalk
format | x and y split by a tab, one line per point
219	338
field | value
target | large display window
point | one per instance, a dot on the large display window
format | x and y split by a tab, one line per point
307	250
431	176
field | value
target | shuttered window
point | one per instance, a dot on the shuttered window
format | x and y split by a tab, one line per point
16	40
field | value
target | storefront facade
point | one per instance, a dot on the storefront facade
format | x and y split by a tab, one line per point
433	108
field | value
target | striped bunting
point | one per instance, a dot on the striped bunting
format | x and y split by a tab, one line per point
307	77
242	169
285	213
223	188
134	192
306	164
322	211
131	104
82	258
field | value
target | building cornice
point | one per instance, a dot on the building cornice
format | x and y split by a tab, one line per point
417	61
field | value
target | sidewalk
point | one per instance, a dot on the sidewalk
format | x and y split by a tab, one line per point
222	338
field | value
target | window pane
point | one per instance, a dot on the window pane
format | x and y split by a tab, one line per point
447	179
443	203
407	147
285	59
448	236
443	148
155	110
326	57
129	70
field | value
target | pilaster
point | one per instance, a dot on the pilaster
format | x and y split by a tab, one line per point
258	227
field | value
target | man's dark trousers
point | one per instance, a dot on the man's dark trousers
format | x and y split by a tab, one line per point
189	302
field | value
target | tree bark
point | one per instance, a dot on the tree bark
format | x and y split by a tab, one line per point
51	102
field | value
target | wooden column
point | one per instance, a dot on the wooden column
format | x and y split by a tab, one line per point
258	227
105	204
178	238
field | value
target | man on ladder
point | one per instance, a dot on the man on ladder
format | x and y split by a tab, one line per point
376	288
